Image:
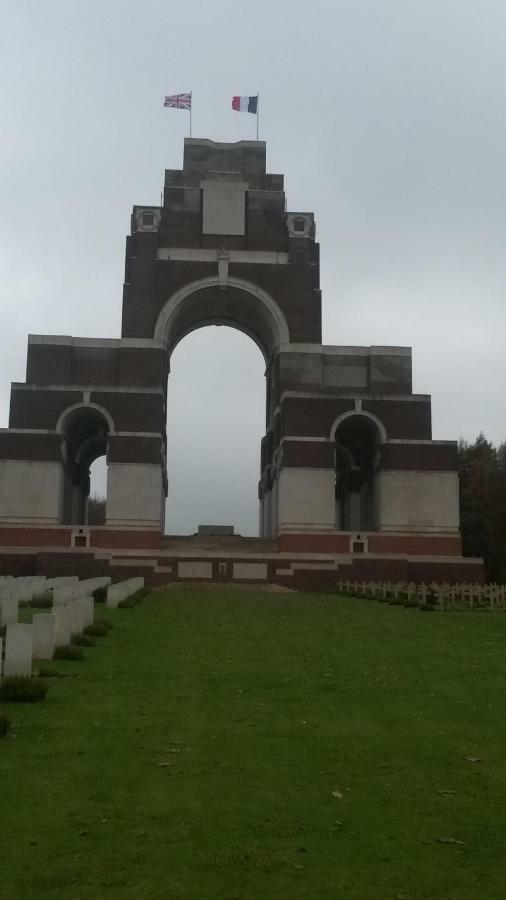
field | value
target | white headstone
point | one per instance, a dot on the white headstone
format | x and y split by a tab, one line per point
62	615
91	584
52	583
118	592
76	617
8	610
6	588
27	588
66	593
88	608
18	650
44	635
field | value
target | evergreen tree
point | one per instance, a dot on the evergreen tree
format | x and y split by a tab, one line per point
482	473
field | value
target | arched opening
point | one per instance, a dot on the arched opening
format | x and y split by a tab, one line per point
356	439
215	421
229	301
211	377
98	492
85	431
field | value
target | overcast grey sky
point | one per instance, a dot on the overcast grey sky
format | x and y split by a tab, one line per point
388	118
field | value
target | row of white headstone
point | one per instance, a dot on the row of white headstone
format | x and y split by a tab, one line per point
27	587
73	608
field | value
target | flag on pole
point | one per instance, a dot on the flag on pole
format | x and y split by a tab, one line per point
179	101
245	104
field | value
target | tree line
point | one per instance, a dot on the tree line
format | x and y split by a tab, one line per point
482	473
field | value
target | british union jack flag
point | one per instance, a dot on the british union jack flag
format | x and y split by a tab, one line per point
179	101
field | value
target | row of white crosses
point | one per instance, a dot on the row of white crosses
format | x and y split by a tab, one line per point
72	610
444	596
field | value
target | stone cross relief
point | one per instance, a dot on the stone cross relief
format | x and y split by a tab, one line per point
223	261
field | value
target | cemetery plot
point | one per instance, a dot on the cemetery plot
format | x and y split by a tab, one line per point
42	636
433	596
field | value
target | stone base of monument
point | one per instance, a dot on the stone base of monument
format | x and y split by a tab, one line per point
304	561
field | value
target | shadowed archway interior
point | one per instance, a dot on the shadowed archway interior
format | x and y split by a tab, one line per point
357	439
85	436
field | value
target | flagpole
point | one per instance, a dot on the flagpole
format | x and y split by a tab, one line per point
191	100
258	111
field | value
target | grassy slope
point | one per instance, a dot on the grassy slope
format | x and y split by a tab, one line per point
261	706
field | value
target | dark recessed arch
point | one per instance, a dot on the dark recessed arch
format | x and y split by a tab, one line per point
357	437
85	431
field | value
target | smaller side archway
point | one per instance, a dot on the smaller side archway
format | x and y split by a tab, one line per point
85	431
357	438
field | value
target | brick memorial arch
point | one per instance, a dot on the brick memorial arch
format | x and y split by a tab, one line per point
348	467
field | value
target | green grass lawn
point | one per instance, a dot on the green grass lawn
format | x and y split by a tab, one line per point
195	754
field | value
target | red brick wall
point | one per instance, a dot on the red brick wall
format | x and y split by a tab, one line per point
410	544
125	540
21	536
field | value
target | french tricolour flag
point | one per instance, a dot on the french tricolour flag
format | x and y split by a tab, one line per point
245	104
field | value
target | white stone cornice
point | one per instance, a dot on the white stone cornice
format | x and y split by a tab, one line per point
196	254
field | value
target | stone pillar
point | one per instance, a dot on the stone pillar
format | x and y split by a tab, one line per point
266	517
417	501
306	500
135	495
31	492
274	507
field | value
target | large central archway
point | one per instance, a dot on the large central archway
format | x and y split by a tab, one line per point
240	304
215	422
237	303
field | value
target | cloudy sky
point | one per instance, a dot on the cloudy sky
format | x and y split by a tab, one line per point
388	118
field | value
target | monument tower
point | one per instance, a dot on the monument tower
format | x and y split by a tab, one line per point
348	465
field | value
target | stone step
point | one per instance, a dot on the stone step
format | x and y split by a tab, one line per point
225	586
